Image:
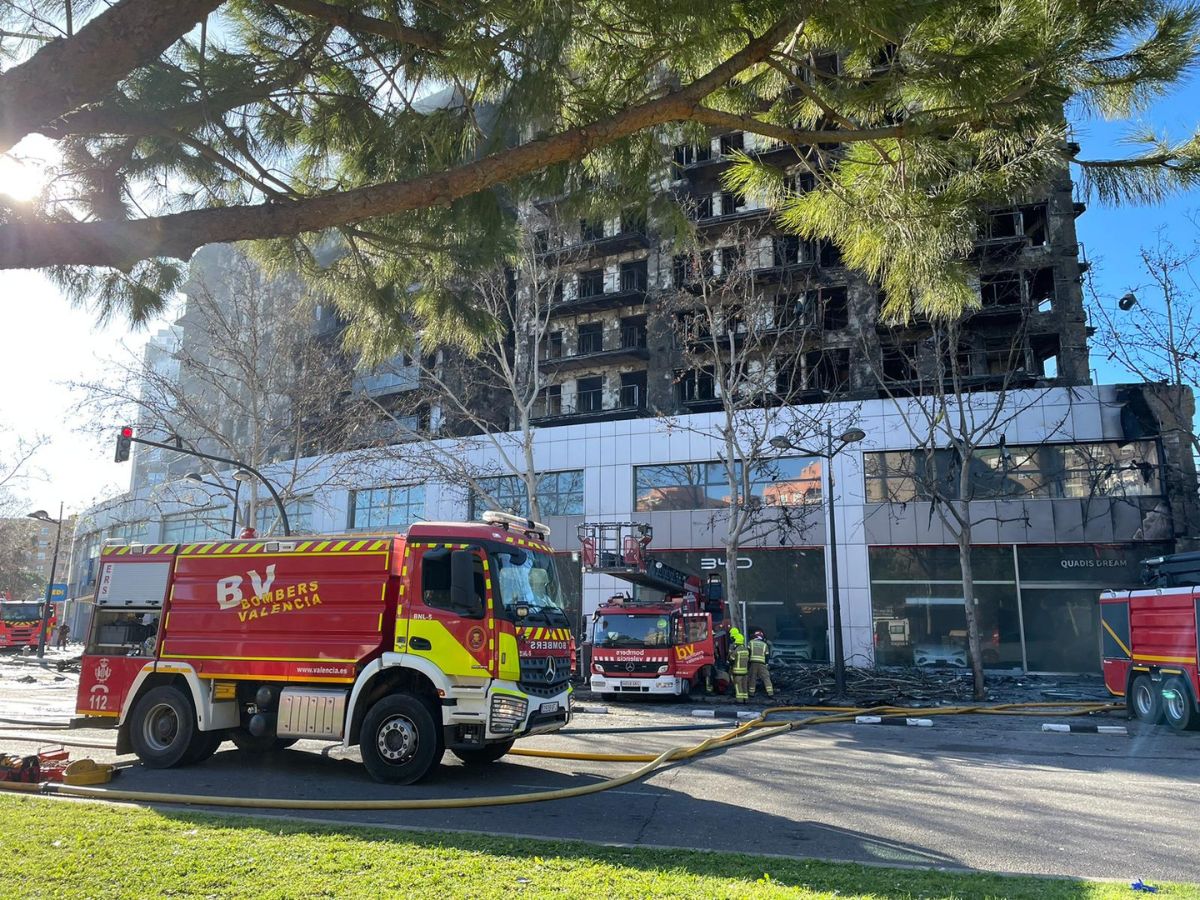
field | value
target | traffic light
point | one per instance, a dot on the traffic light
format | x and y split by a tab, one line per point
124	439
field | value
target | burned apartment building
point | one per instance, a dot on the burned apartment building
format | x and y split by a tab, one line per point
613	350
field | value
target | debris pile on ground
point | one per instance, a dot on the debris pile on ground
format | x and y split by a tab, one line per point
813	684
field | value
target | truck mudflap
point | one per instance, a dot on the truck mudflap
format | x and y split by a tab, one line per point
661	684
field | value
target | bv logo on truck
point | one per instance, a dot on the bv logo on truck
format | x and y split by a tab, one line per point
265	601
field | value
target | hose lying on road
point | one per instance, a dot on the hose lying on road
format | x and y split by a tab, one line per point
752	730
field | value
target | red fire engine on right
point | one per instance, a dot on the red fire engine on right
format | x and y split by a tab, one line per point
665	642
1151	642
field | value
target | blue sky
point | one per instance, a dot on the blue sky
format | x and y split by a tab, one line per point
1112	237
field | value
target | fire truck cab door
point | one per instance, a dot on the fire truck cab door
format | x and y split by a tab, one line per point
457	639
694	649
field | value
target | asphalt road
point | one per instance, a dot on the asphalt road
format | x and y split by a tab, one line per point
971	792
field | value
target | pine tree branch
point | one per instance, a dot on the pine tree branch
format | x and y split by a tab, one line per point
65	74
29	244
356	21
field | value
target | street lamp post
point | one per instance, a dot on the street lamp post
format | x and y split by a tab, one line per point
239	476
42	516
850	436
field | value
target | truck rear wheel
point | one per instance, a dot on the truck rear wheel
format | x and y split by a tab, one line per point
399	740
163	728
1177	706
478	756
1145	700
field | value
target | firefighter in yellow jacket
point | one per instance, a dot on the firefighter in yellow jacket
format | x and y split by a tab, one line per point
739	667
760	652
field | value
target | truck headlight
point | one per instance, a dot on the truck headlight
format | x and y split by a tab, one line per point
662	670
598	668
507	713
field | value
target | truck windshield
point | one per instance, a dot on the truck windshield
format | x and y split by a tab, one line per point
529	577
625	630
20	612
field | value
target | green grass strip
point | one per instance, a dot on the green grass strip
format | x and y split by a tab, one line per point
54	848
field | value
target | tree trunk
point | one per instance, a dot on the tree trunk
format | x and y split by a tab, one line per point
974	650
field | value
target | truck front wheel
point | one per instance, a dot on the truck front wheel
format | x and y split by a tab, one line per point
399	740
478	756
1177	706
1145	700
163	728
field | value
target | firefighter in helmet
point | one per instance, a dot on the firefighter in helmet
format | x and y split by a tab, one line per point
760	652
739	667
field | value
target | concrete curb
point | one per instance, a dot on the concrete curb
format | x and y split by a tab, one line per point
1084	729
893	720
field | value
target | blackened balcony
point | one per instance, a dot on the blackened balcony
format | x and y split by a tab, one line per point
589	407
610	291
592	352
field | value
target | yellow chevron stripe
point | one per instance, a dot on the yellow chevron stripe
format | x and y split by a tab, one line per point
322	545
359	545
223	547
340	545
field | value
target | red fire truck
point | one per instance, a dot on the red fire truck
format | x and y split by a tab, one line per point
1151	644
21	621
660	641
451	636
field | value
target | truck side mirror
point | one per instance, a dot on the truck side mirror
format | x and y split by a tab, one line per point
462	584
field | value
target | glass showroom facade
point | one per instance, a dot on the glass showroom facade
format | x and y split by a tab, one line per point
1037	604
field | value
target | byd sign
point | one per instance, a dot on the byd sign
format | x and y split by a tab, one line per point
708	563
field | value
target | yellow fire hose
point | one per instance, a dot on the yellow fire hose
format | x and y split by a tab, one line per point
752	730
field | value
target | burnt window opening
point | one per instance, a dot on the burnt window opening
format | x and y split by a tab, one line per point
1046	354
702	207
591	229
590	338
635	276
1041	289
1003	358
732	203
633	332
789	311
731	260
551	293
693	326
789	377
831	307
1002	225
695	385
827	370
690	154
1000	289
591	283
690	268
551	400
900	362
552	348
821	67
787	250
830	255
541	241
955	361
1034	224
589	394
633	390
732	142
